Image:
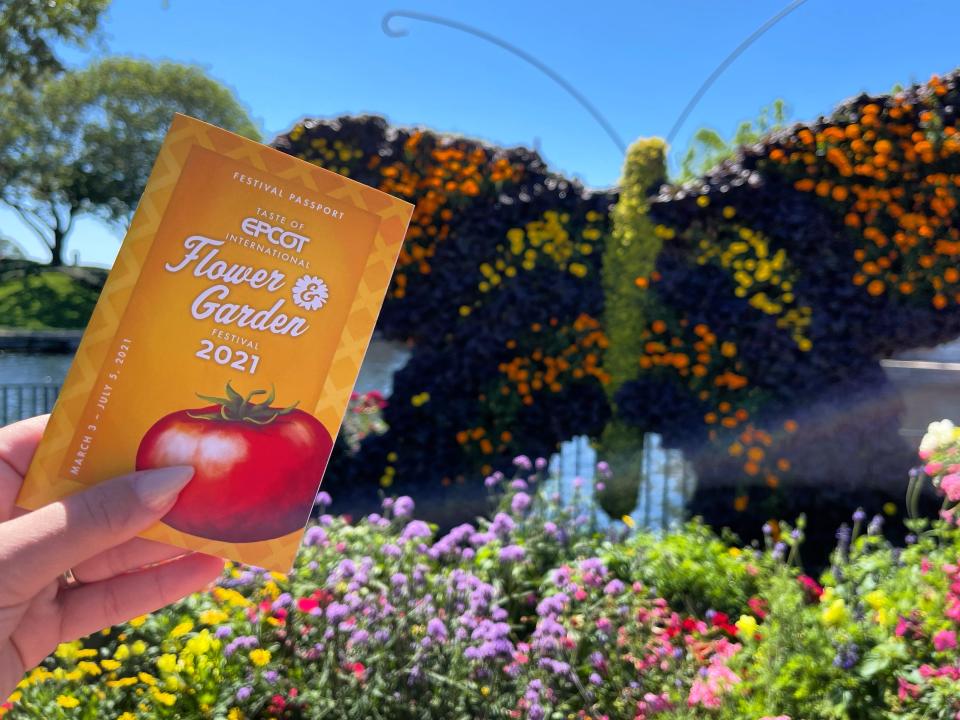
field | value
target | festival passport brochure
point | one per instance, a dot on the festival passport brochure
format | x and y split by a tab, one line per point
228	337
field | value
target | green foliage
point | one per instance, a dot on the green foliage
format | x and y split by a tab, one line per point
30	29
85	142
709	148
39	298
692	569
629	258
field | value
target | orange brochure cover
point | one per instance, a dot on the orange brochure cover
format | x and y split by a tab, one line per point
228	336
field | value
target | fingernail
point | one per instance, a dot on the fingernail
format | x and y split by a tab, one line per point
158	489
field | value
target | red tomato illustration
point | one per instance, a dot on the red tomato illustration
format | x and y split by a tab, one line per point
257	468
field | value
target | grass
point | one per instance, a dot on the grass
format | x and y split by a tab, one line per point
36	297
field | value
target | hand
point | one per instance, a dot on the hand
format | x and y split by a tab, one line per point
93	534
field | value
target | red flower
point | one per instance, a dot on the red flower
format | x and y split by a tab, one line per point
758	606
811	587
358	669
307	604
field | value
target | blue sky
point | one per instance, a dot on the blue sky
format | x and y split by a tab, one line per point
638	62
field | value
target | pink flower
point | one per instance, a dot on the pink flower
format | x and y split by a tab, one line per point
950	484
933	468
945	640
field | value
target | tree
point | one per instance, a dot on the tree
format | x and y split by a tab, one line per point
29	29
708	148
85	142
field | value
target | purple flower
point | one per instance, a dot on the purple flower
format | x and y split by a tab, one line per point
223	631
603	470
391	550
502	525
541	463
550	528
359	637
520	502
323	499
271	676
337	612
316	535
523	462
416	529
491	481
244	692
436	629
512	553
596	679
535	712
600	486
859	515
403	506
518	484
614	587
398	579
552	605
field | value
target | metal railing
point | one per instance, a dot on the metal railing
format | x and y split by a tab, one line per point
23	400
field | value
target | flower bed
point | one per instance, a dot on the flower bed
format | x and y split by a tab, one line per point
536	614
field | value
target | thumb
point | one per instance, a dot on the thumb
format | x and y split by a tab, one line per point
37	547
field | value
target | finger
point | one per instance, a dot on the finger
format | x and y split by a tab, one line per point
37	547
126	557
18	442
88	608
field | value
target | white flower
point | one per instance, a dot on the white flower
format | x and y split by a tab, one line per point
310	292
939	435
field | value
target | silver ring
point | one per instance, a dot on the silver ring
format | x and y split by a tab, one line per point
68	580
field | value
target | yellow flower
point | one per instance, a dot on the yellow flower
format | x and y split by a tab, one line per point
890	508
147	678
181	629
167	663
109	665
875	599
67	701
87	653
213	617
485	690
122	682
835	613
747	626
628	521
122	652
230	596
259	657
234	714
15	697
138	648
127	716
67	651
138	621
164	698
90	668
200	643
